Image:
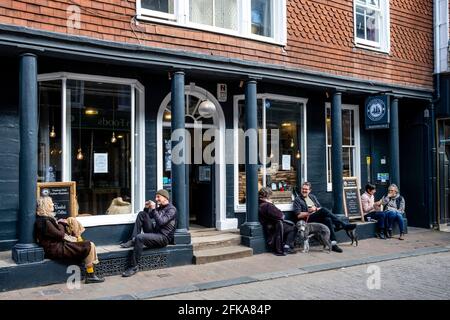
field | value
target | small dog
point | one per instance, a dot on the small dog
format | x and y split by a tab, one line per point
305	231
353	236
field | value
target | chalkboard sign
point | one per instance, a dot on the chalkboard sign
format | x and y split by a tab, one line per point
63	195
352	199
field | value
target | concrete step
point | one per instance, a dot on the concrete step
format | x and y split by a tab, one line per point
210	232
216	240
221	254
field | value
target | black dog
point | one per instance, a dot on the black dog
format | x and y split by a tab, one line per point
353	236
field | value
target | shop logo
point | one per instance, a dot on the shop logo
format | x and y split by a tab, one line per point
376	109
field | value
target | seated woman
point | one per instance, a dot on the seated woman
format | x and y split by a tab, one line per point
58	244
277	231
372	210
394	207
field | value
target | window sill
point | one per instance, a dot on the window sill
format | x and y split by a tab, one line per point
107	220
282	207
211	29
370	48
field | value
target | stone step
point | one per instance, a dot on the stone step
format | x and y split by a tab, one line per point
210	232
217	240
221	254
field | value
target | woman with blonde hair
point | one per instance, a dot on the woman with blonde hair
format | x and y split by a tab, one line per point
61	239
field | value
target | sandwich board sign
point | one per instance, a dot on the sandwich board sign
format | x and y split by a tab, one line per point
352	199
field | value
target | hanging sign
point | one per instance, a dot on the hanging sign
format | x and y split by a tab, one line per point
377	112
222	92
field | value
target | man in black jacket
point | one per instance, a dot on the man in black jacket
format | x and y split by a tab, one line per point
308	208
158	221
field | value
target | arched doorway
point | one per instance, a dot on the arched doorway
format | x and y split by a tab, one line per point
207	187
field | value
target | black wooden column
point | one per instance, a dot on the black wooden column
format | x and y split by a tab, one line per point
26	250
394	146
179	186
251	230
336	153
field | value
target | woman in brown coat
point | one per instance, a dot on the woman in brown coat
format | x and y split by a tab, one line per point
279	233
58	244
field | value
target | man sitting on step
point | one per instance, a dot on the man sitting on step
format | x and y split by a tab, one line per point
158	222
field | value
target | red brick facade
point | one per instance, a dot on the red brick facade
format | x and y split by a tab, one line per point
320	36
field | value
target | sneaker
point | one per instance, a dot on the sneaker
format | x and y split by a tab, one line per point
402	236
128	244
381	235
130	271
290	251
93	278
335	248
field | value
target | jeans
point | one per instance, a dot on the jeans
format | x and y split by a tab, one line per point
391	217
380	216
329	219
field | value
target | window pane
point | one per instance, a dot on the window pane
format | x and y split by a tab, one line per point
347	127
241	149
347	162
373	28
328	124
360	24
165	6
284	145
101	146
226	14
201	11
262	17
49	135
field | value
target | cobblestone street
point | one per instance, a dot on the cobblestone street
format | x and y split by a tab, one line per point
423	277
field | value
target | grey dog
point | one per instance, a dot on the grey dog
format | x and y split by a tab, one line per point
318	230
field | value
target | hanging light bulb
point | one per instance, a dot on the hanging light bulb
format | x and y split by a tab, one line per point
80	155
53	133
292	143
113	138
297	156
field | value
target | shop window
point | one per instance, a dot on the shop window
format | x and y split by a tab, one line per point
94	143
263	20
281	148
350	143
372	24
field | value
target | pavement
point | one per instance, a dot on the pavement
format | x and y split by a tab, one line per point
255	270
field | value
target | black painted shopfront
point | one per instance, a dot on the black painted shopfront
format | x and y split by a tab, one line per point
325	129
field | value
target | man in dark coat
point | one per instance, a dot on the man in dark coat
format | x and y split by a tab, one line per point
308	208
278	232
158	221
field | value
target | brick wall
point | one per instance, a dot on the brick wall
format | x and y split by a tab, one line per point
320	36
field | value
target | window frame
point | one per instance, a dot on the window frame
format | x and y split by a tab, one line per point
137	126
263	96
384	44
180	18
356	130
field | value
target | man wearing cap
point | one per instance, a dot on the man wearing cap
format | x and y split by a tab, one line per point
157	221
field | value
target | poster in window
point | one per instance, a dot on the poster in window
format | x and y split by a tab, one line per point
100	163
286	162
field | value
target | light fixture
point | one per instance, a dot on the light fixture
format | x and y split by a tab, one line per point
113	138
292	143
206	108
120	136
298	156
167	115
285	124
80	155
91	111
53	133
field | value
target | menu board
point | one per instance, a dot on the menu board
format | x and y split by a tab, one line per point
63	195
352	199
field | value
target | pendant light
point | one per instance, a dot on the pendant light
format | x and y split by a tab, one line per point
113	138
53	133
297	156
80	155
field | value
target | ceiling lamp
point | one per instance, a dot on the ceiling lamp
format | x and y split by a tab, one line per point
206	109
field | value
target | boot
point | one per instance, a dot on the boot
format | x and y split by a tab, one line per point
128	244
389	233
402	236
130	271
335	248
93	278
